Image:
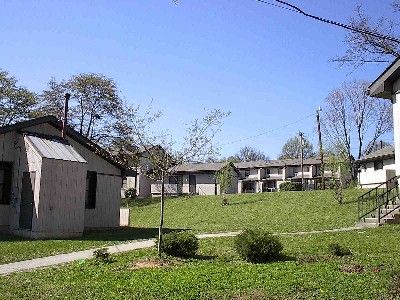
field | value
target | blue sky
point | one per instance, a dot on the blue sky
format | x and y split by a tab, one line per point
269	67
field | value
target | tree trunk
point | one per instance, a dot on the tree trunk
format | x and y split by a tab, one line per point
160	228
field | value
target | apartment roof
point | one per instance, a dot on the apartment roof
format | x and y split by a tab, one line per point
251	164
382	86
213	167
386	152
199	167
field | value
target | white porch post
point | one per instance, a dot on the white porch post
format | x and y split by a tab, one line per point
396	123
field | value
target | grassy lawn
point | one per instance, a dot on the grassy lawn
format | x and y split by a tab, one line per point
15	248
309	272
276	212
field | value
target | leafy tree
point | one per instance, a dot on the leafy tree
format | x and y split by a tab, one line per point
350	115
225	177
95	105
292	148
16	103
248	153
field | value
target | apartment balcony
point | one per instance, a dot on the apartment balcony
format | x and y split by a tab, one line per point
274	176
169	188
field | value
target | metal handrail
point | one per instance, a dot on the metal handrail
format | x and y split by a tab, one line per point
376	198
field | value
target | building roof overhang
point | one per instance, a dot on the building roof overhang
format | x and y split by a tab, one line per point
382	87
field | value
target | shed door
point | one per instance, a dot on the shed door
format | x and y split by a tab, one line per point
27	200
192	184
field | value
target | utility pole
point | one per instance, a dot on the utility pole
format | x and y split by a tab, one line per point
321	151
302	159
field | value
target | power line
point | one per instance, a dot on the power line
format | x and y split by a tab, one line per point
269	131
296	9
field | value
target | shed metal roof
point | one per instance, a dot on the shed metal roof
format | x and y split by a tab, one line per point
53	148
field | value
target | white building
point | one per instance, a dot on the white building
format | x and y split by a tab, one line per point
376	168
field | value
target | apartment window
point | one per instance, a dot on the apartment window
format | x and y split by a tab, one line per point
306	169
268	171
378	165
91	187
246	173
172	180
5	182
280	170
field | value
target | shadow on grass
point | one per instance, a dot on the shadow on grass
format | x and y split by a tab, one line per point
117	234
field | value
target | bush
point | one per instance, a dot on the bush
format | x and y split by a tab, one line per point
290	186
180	244
102	256
130	193
338	250
258	246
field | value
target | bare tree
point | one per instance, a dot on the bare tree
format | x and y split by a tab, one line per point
292	148
364	47
163	153
350	114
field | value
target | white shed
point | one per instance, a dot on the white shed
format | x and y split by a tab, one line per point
52	187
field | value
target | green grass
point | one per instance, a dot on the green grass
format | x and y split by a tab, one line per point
308	272
276	212
15	248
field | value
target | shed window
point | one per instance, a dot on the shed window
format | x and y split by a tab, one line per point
5	182
378	165
91	187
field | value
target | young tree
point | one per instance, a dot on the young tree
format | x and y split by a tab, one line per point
248	153
16	103
164	155
292	148
350	113
225	178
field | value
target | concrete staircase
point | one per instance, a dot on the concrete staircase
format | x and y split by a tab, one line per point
390	212
380	205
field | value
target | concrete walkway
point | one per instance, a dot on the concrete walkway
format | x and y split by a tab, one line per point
120	248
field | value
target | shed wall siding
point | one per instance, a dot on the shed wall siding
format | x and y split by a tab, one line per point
62	198
108	196
4	215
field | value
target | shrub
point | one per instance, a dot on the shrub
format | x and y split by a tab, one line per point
102	256
338	250
258	246
180	244
290	186
130	193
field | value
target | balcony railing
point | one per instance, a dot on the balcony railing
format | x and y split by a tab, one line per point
169	188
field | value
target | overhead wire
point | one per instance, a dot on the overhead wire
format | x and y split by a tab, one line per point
294	8
268	131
